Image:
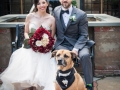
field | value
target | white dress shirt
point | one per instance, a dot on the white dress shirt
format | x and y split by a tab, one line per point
66	16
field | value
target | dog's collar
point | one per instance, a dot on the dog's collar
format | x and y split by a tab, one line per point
65	78
64	73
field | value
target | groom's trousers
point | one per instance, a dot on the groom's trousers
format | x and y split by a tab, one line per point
85	61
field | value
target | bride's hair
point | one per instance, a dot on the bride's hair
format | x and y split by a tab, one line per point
36	2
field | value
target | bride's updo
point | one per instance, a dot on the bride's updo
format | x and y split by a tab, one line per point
36	2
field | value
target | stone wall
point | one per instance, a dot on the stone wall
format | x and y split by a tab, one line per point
5	48
107	50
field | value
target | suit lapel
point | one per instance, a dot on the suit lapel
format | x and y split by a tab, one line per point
73	13
58	17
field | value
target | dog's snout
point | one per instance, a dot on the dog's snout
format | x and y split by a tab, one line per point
60	62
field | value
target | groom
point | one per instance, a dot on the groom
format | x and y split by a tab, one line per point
72	34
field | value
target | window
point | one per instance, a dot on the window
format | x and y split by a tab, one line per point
4	7
111	7
92	6
20	6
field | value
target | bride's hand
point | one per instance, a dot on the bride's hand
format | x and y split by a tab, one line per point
26	35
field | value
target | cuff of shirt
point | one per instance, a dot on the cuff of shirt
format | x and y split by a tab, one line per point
75	49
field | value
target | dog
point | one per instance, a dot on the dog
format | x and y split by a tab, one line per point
67	77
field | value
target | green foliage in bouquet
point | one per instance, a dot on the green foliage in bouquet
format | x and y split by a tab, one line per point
26	41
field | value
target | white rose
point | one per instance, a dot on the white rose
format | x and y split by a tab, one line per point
45	36
38	43
45	41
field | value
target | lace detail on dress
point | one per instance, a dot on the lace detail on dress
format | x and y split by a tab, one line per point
32	25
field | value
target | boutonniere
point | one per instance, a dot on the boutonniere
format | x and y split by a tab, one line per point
73	18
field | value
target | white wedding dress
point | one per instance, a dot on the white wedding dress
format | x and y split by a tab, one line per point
28	68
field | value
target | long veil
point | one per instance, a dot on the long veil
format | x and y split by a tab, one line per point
32	9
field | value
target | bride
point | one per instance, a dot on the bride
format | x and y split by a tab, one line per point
26	67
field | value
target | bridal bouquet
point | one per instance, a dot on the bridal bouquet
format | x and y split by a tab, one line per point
40	40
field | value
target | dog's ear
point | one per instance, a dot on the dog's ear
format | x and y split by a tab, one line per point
54	53
74	56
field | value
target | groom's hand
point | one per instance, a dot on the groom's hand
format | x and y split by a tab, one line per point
75	51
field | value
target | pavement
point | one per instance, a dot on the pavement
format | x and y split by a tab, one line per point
107	83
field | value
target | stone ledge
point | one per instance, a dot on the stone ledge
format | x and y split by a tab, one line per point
107	72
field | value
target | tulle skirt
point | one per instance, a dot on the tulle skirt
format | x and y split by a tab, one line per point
28	68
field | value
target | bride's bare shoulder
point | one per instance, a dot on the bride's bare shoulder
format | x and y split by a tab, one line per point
52	18
30	15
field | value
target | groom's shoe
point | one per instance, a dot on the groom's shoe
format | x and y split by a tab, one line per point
89	87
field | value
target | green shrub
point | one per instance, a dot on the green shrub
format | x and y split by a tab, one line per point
74	3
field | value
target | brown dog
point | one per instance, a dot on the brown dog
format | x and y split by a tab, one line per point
67	76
